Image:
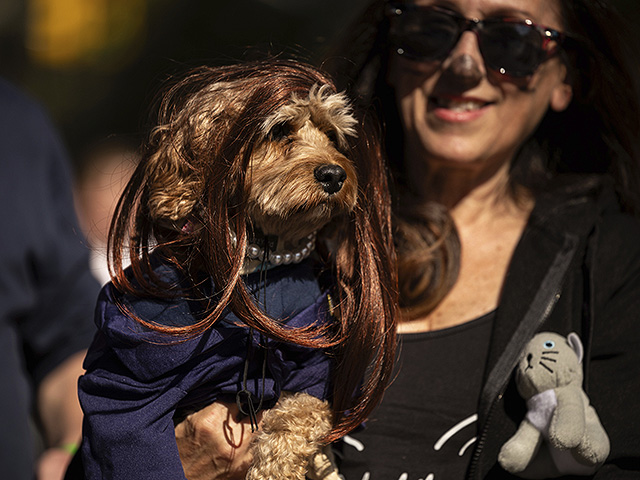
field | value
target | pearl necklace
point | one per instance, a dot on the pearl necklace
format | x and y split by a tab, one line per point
279	256
284	257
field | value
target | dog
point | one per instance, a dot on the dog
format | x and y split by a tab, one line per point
250	168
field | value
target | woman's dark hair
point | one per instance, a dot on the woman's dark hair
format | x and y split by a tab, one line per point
599	133
600	130
426	240
194	170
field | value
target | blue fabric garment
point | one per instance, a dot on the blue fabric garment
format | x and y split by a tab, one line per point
136	379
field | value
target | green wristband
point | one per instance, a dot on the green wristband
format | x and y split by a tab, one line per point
70	448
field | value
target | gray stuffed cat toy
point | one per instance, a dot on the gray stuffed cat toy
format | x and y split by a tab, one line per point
561	433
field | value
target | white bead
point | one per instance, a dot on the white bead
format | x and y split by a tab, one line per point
287	258
254	251
297	257
275	258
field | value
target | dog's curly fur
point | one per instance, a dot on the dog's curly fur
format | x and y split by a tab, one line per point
241	149
290	438
283	198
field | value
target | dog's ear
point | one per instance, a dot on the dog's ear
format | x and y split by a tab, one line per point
185	146
333	112
173	182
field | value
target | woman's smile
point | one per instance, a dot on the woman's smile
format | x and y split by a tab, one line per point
457	112
457	109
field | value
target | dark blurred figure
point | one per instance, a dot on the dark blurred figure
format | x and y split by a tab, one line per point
47	296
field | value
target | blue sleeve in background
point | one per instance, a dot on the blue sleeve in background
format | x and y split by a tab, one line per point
47	293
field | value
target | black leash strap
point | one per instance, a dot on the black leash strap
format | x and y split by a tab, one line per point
244	396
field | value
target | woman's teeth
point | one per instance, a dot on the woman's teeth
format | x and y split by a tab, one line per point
459	105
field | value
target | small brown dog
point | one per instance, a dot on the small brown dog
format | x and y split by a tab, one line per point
249	167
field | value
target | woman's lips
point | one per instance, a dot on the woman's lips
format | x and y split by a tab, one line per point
458	109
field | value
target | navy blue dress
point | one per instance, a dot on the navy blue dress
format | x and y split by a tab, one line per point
137	379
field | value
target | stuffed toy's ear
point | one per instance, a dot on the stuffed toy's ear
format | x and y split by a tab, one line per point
576	344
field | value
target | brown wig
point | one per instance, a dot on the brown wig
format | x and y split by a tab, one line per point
598	134
188	198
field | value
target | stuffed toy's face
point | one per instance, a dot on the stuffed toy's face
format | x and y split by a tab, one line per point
549	361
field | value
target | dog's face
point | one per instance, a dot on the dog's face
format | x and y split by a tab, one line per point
299	179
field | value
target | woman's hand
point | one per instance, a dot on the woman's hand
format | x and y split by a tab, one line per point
213	444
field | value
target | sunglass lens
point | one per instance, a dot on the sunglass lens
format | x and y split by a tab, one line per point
511	48
425	35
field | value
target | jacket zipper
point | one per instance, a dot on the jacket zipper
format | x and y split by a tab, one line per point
483	435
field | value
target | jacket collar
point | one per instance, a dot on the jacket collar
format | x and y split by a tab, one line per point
556	234
563	216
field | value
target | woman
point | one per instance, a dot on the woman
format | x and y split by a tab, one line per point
492	108
517	182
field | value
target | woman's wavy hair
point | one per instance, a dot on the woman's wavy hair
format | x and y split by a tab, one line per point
599	133
194	167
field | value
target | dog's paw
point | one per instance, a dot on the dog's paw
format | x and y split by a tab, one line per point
322	466
290	438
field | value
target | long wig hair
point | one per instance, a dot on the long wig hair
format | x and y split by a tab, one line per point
194	171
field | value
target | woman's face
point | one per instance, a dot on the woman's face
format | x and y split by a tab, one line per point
456	112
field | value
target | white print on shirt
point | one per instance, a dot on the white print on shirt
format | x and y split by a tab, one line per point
359	446
456	428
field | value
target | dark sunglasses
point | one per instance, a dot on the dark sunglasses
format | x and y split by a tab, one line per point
515	48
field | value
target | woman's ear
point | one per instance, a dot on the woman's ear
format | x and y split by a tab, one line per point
561	97
563	92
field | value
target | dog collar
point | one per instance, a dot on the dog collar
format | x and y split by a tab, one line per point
270	251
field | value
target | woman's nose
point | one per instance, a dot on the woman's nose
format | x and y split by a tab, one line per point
465	67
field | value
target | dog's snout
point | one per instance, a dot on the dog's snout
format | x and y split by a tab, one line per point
331	177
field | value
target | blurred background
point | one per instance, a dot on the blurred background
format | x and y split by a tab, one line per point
96	64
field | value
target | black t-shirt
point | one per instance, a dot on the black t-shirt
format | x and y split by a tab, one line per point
425	427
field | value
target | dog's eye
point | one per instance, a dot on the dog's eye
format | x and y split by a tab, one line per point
279	131
333	138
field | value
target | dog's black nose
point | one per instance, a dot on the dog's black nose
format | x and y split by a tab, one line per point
331	177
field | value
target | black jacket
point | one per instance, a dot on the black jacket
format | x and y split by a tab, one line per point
576	268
